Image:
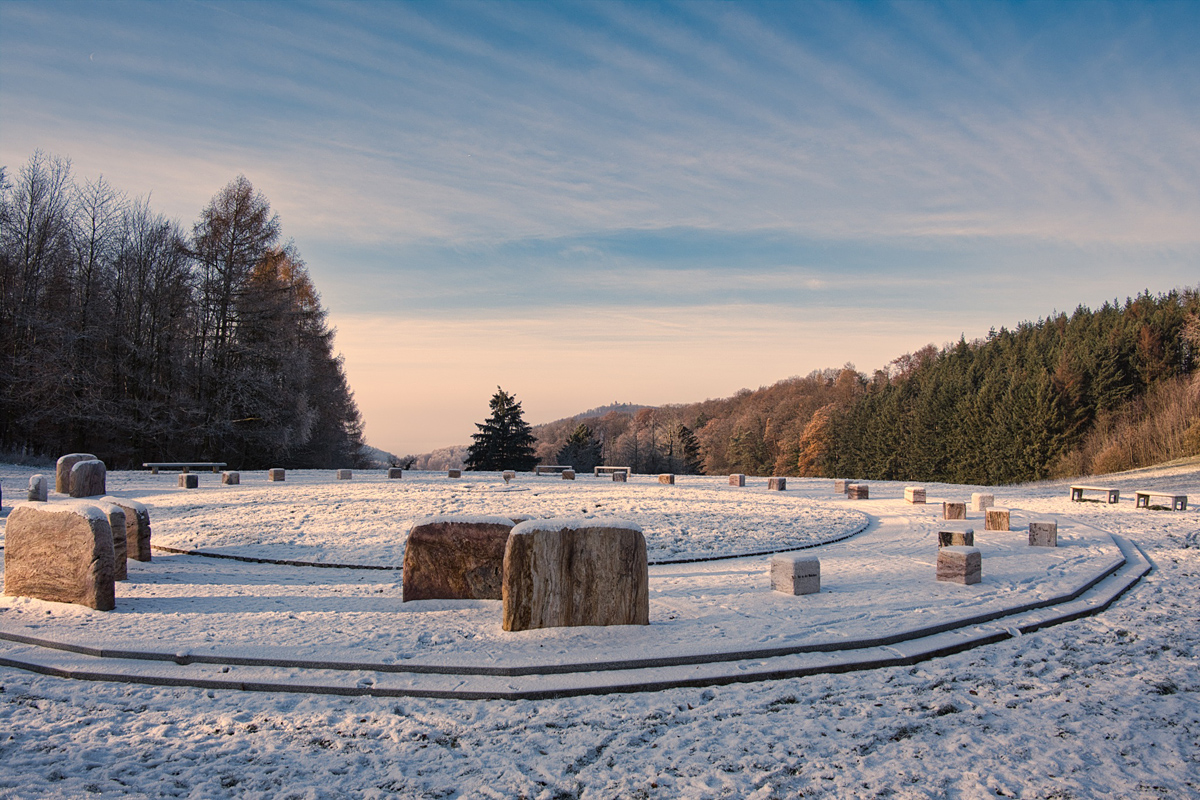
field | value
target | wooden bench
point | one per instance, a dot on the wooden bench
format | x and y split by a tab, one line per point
1142	499
1077	493
551	469
598	471
183	466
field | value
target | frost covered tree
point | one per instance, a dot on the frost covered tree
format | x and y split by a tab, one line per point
505	440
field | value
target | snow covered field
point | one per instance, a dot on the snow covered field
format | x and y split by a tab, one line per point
1105	706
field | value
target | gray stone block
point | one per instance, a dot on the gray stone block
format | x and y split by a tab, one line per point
345	474
120	533
954	510
792	574
667	478
137	527
188	480
620	476
858	491
231	478
394	473
568	474
981	502
960	565
777	484
996	519
1043	534
62	470
737	479
61	552
39	489
914	495
454	473
88	479
951	534
276	474
455	558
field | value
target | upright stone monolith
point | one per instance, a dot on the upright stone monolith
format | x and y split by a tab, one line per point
61	552
39	489
62	470
87	479
137	527
455	558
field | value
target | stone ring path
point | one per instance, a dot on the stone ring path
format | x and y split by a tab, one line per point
233	625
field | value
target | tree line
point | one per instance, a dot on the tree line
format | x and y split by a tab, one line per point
124	335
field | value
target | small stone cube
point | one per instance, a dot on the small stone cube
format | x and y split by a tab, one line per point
737	479
231	478
1043	534
568	474
276	474
620	476
188	481
914	495
960	565
39	489
956	535
395	472
858	491
841	484
345	474
996	519
796	574
954	510
777	484
667	478
454	473
981	502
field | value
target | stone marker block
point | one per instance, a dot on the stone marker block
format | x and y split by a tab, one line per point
620	476
508	475
796	574
455	558
231	478
187	480
39	489
276	474
345	474
454	473
840	485
137	527
564	572
777	484
858	491
61	552
394	473
914	495
568	474
737	479
117	524
87	478
956	535
960	565
62	470
667	478
1041	534
954	510
982	502
996	519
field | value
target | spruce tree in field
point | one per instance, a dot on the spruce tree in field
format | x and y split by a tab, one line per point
505	440
582	450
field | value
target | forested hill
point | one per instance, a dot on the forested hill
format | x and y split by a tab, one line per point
1093	391
126	336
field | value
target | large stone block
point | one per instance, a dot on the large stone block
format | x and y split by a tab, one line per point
914	495
996	519
455	558
954	510
88	479
777	484
1043	534
117	523
960	565
276	474
137	527
620	476
61	552
39	489
62	470
737	479
574	572
345	474
858	491
955	534
568	474
667	478
792	574
189	481
231	478
394	473
982	502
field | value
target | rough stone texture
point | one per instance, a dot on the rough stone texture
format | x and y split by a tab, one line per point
914	495
572	575
454	473
777	484
189	481
996	519
118	524
568	474
982	502
231	478
508	475
667	478
137	527
1041	534
455	559
858	491
276	474
960	565
841	484
956	535
737	479
395	472
39	489
88	479
796	574
345	474
620	477
954	510
61	552
62	471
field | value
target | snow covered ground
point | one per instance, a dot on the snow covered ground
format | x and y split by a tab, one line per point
1106	706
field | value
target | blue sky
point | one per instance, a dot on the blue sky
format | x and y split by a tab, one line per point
649	203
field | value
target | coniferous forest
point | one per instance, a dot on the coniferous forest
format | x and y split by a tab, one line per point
124	335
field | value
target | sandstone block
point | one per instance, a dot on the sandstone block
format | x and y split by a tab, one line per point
1041	534
455	558
796	574
394	473
956	535
62	471
777	484
137	527
954	510
454	473
117	524
737	479
345	474
189	481
568	474
841	484
39	489
982	502
87	478
996	519
620	476
667	478
574	572
61	552
858	491
914	495
960	565
231	478
276	474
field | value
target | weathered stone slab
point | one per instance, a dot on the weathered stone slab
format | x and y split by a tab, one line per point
982	502
858	491
777	484
276	474
61	552
574	572
188	480
996	519
954	510
88	478
117	524
568	474
137	527
345	474
231	478
1042	534
797	575
840	485
914	495
620	476
956	534
62	470
737	479
455	558
39	489
667	478
454	473
394	473
960	565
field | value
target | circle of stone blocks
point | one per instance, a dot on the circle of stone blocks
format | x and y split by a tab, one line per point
345	474
455	558
575	572
454	473
61	552
996	519
667	478
777	484
88	478
568	474
956	535
1043	534
796	574
39	489
914	495
62	470
620	476
841	484
231	478
737	479
117	524
137	527
982	502
188	480
954	510
508	475
858	491
960	565
276	474
395	472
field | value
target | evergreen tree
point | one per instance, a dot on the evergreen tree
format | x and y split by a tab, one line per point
505	440
582	450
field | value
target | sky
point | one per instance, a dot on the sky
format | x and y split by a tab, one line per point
651	203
